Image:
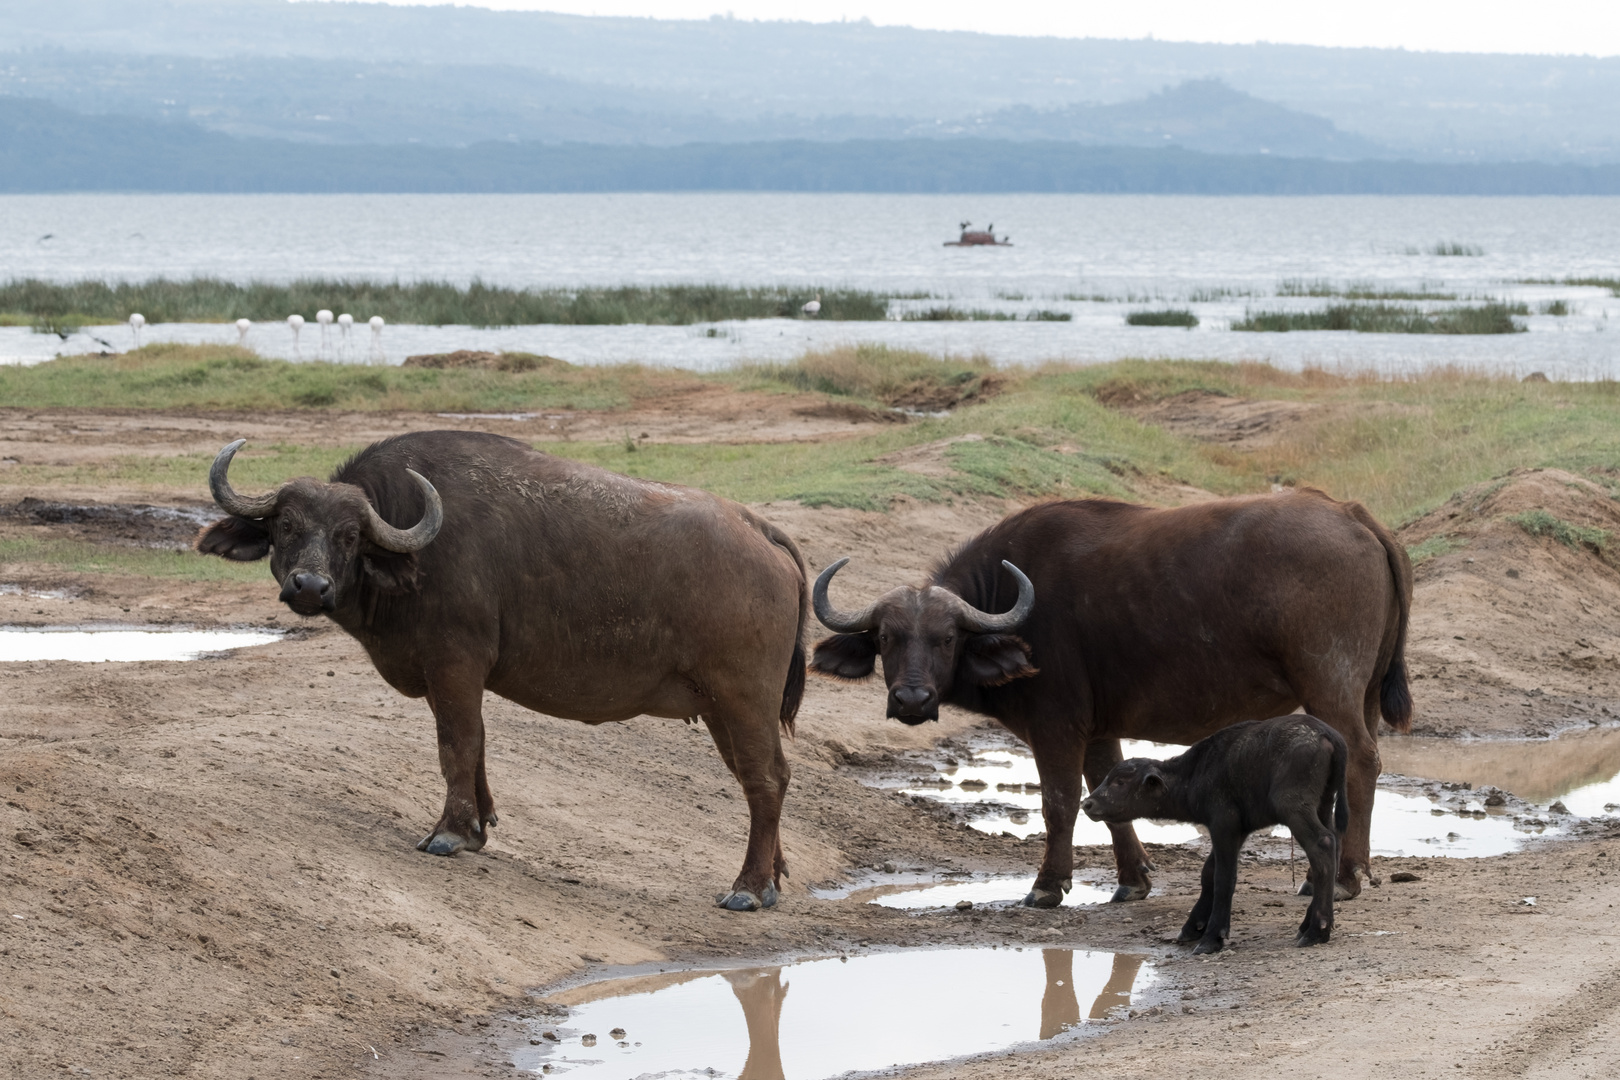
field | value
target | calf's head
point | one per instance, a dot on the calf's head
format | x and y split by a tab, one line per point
320	537
930	640
1135	788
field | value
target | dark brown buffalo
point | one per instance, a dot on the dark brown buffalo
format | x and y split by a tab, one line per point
568	589
1139	623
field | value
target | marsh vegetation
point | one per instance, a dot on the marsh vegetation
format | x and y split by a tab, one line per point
1381	318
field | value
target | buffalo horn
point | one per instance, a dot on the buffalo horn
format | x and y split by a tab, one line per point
982	622
260	506
840	622
416	537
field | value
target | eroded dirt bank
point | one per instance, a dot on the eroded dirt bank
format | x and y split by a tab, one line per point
213	863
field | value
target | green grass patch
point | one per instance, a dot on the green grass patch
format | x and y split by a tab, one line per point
949	313
1555	307
1431	548
1490	318
79	557
431	303
1579	537
1166	317
899	378
225	377
1449	249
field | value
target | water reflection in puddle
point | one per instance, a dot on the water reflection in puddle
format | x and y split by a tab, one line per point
100	646
1007	781
912	892
1405	822
822	1018
1581	769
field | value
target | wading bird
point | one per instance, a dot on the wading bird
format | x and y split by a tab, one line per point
242	327
297	324
136	321
376	356
813	308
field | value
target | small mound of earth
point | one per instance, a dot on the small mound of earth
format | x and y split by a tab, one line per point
487	361
1516	609
851	411
129	524
1243	423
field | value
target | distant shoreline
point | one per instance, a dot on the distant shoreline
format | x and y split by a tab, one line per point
47	149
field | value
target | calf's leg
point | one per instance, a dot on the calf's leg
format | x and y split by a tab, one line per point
1058	758
752	750
1321	845
456	696
1130	857
1361	784
1226	844
1198	918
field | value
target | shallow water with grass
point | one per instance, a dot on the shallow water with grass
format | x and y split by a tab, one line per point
703	280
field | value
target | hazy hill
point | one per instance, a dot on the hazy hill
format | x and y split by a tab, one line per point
46	148
1423	104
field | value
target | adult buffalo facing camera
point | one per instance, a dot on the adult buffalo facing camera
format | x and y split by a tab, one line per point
466	562
1141	623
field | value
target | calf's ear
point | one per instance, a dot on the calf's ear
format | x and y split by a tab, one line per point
235	538
845	656
994	659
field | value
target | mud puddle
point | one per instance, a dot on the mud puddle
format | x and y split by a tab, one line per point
924	892
826	1017
128	524
123	645
997	789
1580	769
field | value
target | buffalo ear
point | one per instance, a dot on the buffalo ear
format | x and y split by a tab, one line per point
391	573
994	659
845	656
236	538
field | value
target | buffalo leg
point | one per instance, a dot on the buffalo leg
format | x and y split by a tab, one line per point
1361	784
1058	759
1226	844
1131	860
457	700
1198	918
755	758
1321	845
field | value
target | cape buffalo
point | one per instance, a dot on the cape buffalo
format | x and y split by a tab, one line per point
1140	623
1288	770
566	588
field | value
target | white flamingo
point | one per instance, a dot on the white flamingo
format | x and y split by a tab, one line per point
813	308
376	356
242	327
345	321
297	324
324	317
136	321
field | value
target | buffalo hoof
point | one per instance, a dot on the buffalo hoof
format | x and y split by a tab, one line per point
1189	934
743	900
1043	898
1126	893
444	842
1209	945
1312	932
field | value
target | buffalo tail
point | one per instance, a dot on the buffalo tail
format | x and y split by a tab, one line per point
793	690
1394	696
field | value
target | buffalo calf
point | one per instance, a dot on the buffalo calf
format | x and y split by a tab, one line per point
1285	771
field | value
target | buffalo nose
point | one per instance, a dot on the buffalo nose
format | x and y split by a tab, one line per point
1088	806
914	699
306	585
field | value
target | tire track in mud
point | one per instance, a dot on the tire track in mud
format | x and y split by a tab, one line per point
1576	1037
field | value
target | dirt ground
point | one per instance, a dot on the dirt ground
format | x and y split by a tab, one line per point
207	868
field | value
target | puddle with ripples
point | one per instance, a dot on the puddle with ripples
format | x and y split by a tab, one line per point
826	1017
122	645
922	892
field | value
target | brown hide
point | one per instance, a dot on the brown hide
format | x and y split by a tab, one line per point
568	589
1157	624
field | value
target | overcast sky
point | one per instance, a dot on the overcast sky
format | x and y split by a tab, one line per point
1591	27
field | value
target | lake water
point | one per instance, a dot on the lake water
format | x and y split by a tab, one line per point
1096	257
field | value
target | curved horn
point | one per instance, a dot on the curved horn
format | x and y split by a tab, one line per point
260	506
840	622
416	537
982	622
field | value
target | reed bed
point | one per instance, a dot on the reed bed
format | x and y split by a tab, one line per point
47	304
1489	318
1167	317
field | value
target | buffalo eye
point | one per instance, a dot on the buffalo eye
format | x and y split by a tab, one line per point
950	639
883	639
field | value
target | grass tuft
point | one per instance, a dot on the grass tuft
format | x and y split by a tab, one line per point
1578	537
1490	318
1166	317
899	378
